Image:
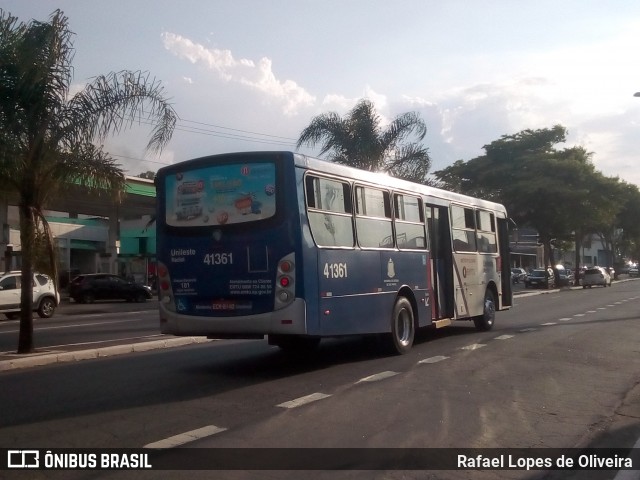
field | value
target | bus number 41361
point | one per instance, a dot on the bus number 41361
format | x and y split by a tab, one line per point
335	270
218	259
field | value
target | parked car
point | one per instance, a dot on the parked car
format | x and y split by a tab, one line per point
45	297
541	278
565	276
596	276
518	275
633	271
88	288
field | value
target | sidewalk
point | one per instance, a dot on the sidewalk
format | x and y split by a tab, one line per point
73	353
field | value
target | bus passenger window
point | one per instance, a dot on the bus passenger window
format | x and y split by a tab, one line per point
463	229
373	218
329	212
487	242
409	223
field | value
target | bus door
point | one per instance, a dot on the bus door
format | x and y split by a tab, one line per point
441	262
505	271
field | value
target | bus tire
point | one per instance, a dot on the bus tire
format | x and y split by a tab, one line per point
485	321
403	327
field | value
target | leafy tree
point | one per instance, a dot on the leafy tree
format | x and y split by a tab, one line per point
558	192
358	140
149	175
46	135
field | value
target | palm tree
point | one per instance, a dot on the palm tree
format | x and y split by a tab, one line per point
358	140
46	135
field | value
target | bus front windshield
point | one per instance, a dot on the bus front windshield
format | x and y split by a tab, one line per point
221	195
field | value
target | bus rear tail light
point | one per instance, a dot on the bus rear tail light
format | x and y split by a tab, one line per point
164	282
285	283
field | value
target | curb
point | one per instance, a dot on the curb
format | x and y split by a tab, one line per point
40	359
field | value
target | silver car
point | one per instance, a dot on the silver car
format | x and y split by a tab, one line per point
596	276
45	297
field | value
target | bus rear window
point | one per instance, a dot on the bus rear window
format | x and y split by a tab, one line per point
221	195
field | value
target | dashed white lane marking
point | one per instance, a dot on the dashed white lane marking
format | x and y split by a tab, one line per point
314	397
474	346
565	319
591	311
435	359
525	330
548	324
378	376
186	437
579	315
504	337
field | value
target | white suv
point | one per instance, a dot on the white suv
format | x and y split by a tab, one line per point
45	298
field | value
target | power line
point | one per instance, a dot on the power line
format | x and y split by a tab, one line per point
270	140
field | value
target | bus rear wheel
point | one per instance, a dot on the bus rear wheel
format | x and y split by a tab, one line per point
402	327
485	321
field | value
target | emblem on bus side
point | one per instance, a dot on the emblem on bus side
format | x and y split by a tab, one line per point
391	271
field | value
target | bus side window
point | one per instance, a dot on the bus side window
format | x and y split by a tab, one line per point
463	229
409	222
329	212
373	218
486	227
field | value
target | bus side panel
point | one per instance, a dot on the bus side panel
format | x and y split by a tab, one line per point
358	289
350	292
408	270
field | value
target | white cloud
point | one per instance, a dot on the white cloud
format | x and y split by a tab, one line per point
258	76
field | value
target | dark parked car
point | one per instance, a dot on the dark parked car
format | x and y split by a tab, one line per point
104	286
541	278
565	276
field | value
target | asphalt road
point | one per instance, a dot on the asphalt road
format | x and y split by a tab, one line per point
560	370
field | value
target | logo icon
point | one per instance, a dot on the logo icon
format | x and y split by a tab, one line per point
23	459
391	270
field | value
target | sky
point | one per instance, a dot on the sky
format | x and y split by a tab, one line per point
247	75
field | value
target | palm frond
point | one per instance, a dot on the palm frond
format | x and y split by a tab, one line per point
119	100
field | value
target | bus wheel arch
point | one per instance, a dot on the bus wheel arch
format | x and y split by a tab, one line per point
486	320
403	324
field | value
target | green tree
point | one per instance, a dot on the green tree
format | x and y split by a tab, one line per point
360	141
556	191
46	135
149	175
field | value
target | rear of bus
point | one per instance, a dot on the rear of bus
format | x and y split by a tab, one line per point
227	245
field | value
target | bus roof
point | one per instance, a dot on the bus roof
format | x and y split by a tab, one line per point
382	179
327	167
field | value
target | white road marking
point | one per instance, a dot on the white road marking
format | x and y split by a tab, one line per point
303	400
524	330
186	437
435	359
378	376
504	337
565	319
548	324
579	315
474	346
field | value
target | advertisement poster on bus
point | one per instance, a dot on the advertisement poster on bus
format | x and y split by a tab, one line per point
221	195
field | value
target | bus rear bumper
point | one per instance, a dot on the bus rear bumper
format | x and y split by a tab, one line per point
291	320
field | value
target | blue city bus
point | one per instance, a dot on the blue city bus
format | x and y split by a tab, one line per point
299	249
